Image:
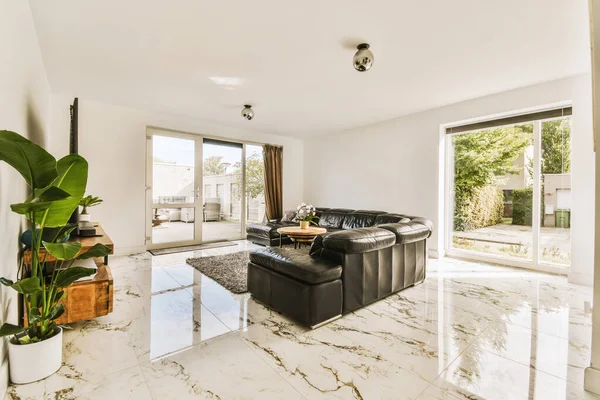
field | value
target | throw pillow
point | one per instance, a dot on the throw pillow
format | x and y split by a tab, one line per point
289	216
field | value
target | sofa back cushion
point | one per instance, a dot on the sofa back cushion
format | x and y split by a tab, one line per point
390	219
354	241
333	218
358	219
319	211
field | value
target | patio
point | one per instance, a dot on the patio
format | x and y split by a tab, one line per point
176	231
515	240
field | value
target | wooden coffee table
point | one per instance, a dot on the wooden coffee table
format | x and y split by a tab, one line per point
299	235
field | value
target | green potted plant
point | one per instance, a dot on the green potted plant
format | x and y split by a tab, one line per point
35	350
87	202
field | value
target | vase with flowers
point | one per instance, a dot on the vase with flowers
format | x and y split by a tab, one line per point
307	215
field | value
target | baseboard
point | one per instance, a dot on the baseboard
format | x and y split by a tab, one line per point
581	279
433	253
592	380
126	251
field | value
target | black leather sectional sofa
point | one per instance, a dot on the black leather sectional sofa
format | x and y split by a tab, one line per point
364	256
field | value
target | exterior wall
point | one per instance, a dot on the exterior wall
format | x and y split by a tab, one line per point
515	181
177	181
552	184
172	181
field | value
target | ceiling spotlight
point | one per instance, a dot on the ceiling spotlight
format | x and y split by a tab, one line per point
363	59
247	112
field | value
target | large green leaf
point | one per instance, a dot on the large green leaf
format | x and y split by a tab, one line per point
56	311
53	193
58	296
27	285
98	250
40	201
28	208
72	178
10	329
37	166
63	251
58	235
70	275
34	315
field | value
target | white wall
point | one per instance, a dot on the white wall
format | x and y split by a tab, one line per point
113	140
394	165
24	97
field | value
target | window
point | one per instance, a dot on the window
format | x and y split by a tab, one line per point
510	188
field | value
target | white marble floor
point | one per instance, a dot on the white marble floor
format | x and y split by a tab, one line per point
471	331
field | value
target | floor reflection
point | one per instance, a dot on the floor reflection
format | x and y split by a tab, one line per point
470	331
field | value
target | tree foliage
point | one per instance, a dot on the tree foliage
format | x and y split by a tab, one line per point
255	175
214	165
556	146
480	159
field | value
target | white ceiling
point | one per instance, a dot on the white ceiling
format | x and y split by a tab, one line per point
292	60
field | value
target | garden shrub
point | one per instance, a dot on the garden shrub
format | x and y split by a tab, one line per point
478	208
523	206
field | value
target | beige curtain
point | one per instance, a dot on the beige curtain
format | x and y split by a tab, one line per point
273	156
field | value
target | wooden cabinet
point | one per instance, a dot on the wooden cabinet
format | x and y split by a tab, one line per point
87	299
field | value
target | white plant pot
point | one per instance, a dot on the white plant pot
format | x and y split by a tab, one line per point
32	362
85	217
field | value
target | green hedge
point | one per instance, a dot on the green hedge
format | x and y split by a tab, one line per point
523	207
478	208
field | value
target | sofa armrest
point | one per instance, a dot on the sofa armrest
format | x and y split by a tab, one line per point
360	240
408	232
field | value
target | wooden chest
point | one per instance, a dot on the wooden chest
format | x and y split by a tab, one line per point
86	299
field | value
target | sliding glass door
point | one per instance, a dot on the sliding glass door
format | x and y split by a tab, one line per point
173	184
510	193
201	189
255	184
222	177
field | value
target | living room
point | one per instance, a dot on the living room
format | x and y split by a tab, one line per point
210	131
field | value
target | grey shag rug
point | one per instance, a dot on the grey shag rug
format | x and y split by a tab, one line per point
229	270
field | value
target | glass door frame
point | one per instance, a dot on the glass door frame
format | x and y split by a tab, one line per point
448	218
198	198
198	177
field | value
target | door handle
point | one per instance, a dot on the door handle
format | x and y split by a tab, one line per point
198	194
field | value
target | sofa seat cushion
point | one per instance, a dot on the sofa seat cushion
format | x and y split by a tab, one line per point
268	230
297	265
358	240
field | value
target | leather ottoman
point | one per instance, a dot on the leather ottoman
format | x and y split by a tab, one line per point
299	286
